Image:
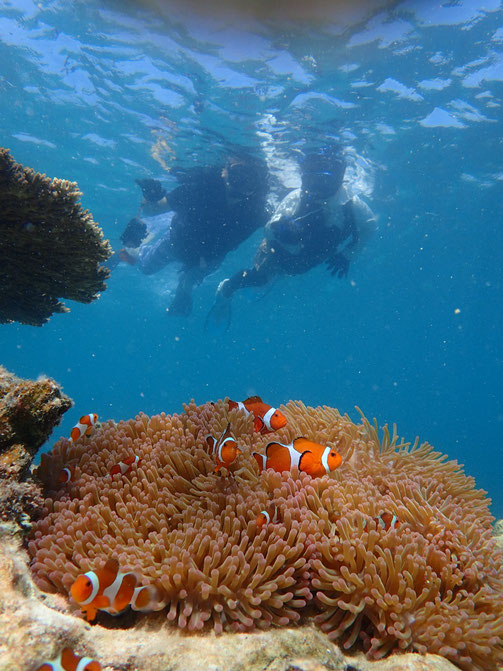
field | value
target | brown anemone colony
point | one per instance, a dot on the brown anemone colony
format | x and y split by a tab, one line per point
430	583
51	247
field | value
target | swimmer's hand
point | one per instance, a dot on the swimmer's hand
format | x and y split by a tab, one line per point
338	265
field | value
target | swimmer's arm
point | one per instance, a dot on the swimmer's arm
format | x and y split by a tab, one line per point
365	223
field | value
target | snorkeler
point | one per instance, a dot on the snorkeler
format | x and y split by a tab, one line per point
212	211
318	223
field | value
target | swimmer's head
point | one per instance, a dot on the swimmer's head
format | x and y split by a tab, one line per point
245	177
151	189
323	171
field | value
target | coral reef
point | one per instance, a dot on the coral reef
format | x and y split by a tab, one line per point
432	583
29	410
51	247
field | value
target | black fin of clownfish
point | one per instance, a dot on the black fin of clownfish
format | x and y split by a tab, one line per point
261	460
227	432
253	399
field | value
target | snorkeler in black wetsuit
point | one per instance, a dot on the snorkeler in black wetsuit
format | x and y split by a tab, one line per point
211	212
307	229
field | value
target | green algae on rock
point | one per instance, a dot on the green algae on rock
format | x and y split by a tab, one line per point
51	248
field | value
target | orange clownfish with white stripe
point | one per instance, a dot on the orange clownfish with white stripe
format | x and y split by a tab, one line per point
385	521
68	661
309	457
112	591
83	427
125	466
268	516
266	418
225	449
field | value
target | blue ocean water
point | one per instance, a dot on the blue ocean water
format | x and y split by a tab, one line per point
103	92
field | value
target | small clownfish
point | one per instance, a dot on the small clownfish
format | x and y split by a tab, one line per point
66	474
266	418
225	448
125	466
269	516
112	591
386	521
311	458
83	427
68	661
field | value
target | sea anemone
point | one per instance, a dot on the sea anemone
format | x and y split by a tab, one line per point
429	583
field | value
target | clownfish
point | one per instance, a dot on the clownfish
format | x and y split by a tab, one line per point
68	661
112	591
386	521
309	457
266	418
225	448
125	466
66	474
83	427
269	516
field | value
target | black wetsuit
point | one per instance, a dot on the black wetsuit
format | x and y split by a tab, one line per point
300	244
208	223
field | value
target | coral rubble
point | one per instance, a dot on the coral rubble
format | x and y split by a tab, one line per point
51	248
29	410
430	584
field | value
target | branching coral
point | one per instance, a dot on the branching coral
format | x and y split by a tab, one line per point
432	583
51	248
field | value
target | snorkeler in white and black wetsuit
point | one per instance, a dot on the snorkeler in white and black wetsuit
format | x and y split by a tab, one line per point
318	223
212	211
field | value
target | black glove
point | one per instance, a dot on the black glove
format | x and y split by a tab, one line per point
151	189
338	265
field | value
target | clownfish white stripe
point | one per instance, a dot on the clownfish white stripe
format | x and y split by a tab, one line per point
68	473
267	418
295	456
222	445
324	459
112	590
153	602
242	406
83	663
55	665
263	457
96	585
